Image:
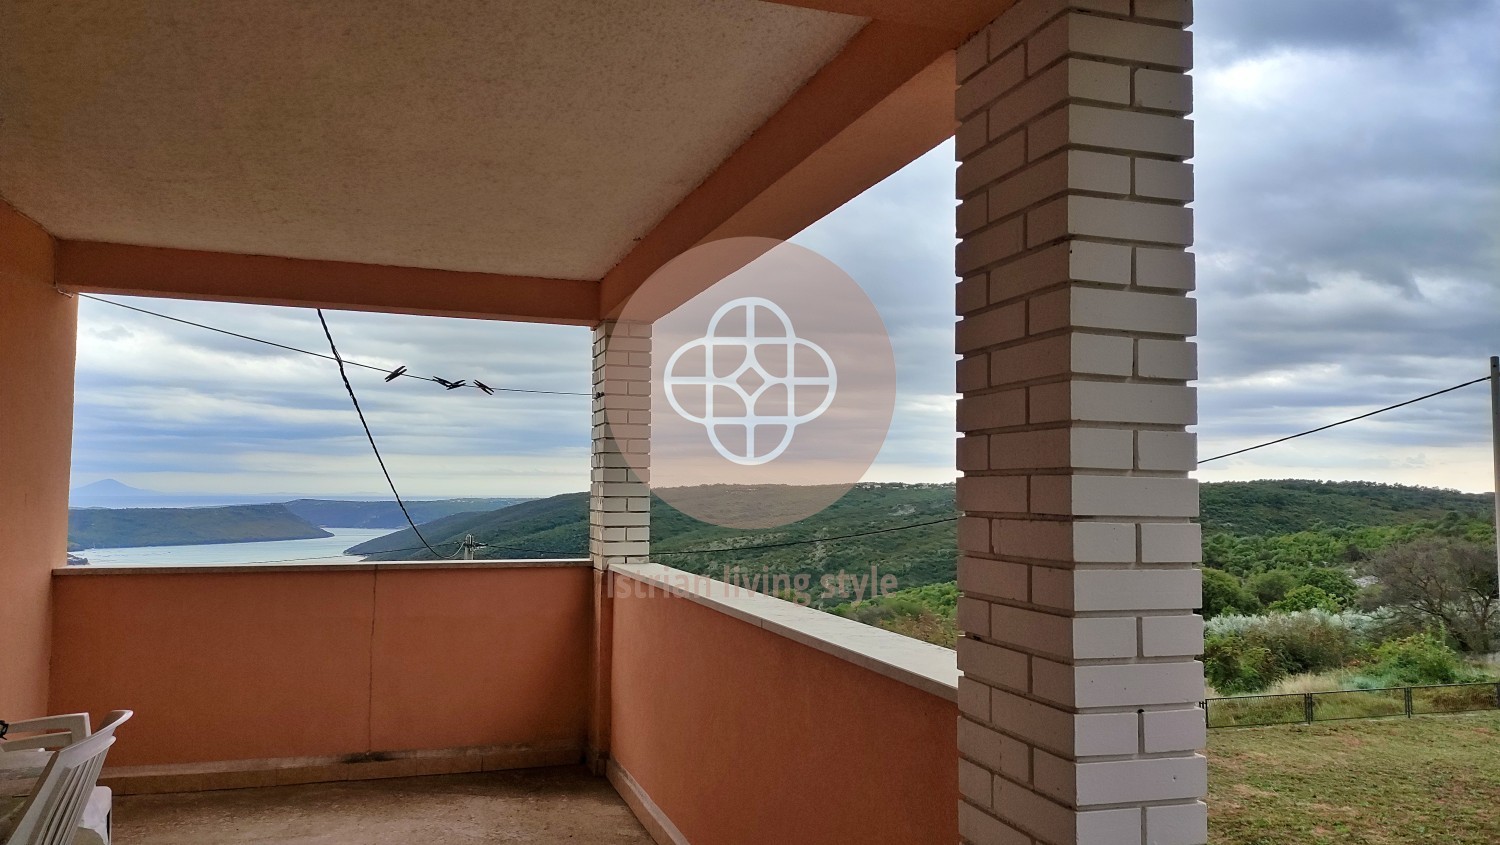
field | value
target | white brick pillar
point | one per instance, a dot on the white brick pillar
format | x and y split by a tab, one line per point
619	503
1079	720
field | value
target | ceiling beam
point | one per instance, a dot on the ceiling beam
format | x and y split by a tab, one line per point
93	267
959	17
886	98
26	249
911	121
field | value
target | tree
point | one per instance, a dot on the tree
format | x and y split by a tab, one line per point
1445	580
1223	593
1271	586
1306	597
1335	582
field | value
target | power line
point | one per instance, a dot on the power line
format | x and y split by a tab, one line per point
1343	422
341	361
857	535
371	437
450	385
399	373
789	543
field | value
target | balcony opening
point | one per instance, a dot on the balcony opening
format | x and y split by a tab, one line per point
194	446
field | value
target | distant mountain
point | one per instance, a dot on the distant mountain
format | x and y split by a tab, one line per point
110	493
115	528
334	513
110	487
372	512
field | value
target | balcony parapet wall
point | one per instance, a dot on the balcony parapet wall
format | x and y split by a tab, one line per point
930	668
258	675
738	717
382	566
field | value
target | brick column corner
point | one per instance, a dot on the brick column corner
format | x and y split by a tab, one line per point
619	501
1078	571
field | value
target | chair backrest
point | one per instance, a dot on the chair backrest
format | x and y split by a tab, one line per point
52	812
57	731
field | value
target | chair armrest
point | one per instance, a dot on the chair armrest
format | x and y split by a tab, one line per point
59	731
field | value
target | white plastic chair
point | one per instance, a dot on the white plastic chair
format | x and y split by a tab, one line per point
53	732
67	786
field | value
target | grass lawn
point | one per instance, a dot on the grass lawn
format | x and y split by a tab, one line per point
1431	779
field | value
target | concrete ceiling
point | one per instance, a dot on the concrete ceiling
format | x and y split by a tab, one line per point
527	137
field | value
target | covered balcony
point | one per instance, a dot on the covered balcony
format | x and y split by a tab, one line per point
539	161
251	678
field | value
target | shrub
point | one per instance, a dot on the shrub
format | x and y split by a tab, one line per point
1375	626
1234	667
1306	597
1271	586
1335	582
1417	660
1248	653
1223	593
924	613
1312	641
925	626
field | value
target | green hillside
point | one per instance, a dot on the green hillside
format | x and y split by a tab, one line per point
335	513
118	528
1260	524
1290	505
555	527
558	527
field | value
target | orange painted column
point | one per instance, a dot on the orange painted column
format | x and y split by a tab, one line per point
38	333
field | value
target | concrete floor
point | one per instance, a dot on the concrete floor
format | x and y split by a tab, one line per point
537	806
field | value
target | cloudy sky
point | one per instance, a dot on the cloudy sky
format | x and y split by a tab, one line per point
1348	221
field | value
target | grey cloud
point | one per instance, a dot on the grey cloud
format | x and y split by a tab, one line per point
161	398
1268	25
897	240
1348	209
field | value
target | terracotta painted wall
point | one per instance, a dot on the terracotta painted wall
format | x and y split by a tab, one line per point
481	657
254	665
743	737
38	330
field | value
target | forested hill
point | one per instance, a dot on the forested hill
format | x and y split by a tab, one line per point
118	528
336	513
557	527
1258	508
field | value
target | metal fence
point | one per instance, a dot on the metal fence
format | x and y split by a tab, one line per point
1307	707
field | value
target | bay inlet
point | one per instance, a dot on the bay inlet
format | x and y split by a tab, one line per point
313	551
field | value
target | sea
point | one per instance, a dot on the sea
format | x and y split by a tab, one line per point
318	550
